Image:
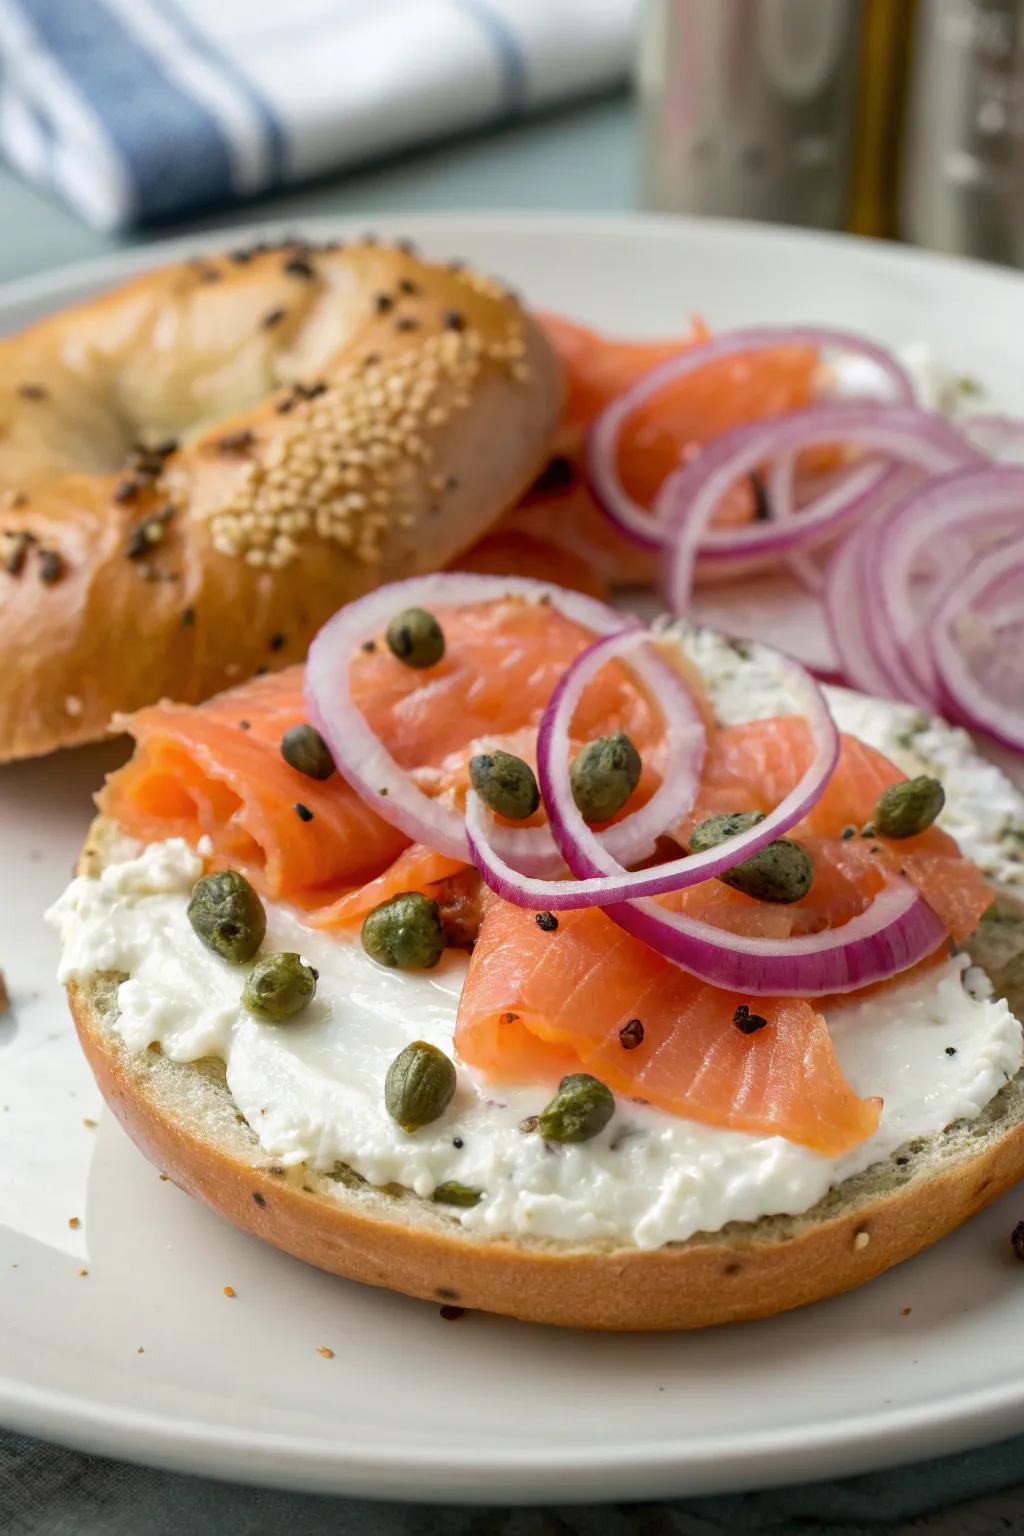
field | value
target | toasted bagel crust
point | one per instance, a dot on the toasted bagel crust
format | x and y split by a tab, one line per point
184	1121
342	417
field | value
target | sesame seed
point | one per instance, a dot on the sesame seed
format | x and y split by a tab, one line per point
73	706
861	1241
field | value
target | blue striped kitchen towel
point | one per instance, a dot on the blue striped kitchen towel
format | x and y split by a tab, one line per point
137	111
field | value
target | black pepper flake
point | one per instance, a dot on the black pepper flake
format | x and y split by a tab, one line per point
244	725
236	442
508	1018
33	391
454	320
407	323
901	1161
369	646
310	391
15	551
260	1199
285	404
451	1314
451	483
261	672
142	538
126	490
51	566
847	833
1017	1240
746	1022
547	922
166	448
407	286
188	618
383	302
762	505
950	1050
303	812
298	266
371	359
278	642
273	317
458	1143
240	257
631	1035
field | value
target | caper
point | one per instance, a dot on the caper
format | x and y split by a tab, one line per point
910	807
505	783
227	915
304	749
451	1192
579	1110
278	987
419	1085
604	775
416	638
781	872
405	932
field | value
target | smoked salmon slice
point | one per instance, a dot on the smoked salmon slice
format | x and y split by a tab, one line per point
537	1005
558	530
755	765
216	771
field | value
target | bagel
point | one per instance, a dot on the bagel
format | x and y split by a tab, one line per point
199	467
183	1118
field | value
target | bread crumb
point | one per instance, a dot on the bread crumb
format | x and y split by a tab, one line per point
327	1353
861	1241
90	1125
164	1178
230	1291
74	1222
82	1272
140	1350
5	996
906	1311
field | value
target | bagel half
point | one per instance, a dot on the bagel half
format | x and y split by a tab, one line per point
184	1120
199	467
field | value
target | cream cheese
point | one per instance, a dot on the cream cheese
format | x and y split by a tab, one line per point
936	1049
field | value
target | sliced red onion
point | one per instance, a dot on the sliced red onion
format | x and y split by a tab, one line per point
849	621
602	878
897	930
364	761
980	668
904	434
934	532
635	521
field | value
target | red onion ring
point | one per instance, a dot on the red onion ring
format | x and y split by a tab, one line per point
981	503
365	763
897	930
903	433
636	522
602	879
981	584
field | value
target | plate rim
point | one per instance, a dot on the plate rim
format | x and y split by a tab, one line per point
668	1467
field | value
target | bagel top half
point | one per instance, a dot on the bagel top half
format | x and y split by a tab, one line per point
199	467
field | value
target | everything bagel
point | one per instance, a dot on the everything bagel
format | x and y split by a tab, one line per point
198	467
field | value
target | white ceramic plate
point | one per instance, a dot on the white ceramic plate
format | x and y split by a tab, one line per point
144	1357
